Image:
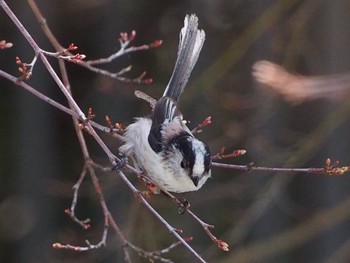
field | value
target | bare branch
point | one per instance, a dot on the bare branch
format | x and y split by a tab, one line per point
327	169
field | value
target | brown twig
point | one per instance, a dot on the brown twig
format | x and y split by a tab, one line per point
185	208
89	64
57	105
125	39
327	169
171	229
156	255
199	127
222	155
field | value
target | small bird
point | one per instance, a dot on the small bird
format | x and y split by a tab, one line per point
161	144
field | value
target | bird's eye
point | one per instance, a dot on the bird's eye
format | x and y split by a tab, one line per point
182	164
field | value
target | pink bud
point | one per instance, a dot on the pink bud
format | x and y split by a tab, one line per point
72	47
4	44
132	35
156	43
222	245
148	81
123	36
207	121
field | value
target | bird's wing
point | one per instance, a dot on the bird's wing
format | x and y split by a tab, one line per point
167	122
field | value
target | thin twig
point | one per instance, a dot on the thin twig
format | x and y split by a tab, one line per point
55	104
156	255
171	229
327	169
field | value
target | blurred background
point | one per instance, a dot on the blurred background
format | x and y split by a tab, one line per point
264	216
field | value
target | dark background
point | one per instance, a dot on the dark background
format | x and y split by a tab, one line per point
264	216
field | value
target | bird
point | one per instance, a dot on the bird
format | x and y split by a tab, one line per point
161	144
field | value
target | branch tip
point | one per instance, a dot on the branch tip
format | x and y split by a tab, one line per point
222	245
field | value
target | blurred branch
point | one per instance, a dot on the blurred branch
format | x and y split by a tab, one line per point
297	88
298	27
310	229
342	254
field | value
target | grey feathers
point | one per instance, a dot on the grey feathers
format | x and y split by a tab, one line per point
190	45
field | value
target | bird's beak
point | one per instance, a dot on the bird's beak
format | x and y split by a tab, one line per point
195	180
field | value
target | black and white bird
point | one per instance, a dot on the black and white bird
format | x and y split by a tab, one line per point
162	145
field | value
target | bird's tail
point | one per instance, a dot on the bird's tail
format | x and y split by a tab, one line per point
191	42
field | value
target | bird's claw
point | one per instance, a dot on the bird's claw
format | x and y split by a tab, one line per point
120	162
